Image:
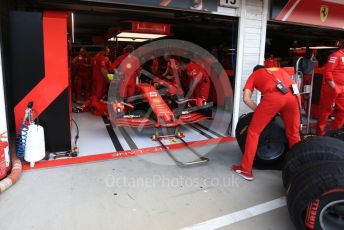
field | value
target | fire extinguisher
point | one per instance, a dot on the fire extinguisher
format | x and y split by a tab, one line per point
3	168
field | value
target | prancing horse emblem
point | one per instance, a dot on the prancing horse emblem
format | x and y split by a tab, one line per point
323	13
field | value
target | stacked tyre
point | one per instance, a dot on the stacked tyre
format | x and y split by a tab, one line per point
272	144
313	175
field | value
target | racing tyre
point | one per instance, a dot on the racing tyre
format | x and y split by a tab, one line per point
313	149
316	197
272	142
339	134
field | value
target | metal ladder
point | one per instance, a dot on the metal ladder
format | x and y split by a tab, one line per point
298	77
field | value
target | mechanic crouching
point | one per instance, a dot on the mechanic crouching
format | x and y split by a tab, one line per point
276	86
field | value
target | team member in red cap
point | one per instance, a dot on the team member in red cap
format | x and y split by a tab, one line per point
332	92
275	84
101	67
82	65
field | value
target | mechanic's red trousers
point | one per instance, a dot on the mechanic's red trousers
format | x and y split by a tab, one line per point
82	83
127	86
202	89
99	84
271	104
328	98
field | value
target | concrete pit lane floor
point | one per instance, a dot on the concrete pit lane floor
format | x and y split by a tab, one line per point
147	192
98	135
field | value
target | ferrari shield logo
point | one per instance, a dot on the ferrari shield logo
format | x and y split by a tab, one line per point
323	13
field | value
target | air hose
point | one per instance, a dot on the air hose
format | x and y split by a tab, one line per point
21	141
23	131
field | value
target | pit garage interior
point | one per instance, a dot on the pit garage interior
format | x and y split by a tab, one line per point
217	34
93	27
114	182
287	43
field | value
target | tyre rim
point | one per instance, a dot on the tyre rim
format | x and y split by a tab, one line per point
332	216
270	151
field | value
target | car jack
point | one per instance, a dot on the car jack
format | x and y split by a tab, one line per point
179	136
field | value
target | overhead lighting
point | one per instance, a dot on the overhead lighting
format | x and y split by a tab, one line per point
315	48
113	39
72	27
323	47
140	35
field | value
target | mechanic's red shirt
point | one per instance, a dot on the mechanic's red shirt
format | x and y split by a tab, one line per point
155	66
100	61
130	66
334	70
82	63
173	65
196	71
265	79
119	60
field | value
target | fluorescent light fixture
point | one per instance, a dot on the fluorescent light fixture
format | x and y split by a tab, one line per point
315	48
113	39
140	35
323	47
72	27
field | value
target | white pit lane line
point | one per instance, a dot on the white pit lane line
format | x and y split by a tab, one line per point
235	217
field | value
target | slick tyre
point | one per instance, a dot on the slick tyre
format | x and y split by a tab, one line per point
311	150
272	142
316	197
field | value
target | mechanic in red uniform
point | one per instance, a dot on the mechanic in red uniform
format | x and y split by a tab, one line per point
173	69
101	67
332	92
155	66
274	101
129	65
82	65
200	81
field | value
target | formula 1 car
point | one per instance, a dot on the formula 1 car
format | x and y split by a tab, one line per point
157	103
161	104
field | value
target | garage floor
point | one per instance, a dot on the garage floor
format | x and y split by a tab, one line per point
109	138
147	192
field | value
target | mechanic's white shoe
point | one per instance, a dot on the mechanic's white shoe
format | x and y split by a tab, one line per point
246	175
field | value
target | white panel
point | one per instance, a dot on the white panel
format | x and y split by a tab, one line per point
240	57
252	30
258	3
254	23
253	16
228	11
252	38
3	121
230	3
248	50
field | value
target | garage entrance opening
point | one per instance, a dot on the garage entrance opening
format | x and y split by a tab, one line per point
200	116
286	43
136	126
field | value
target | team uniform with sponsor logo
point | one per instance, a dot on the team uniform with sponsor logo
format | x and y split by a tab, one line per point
200	76
99	82
129	65
334	71
273	102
